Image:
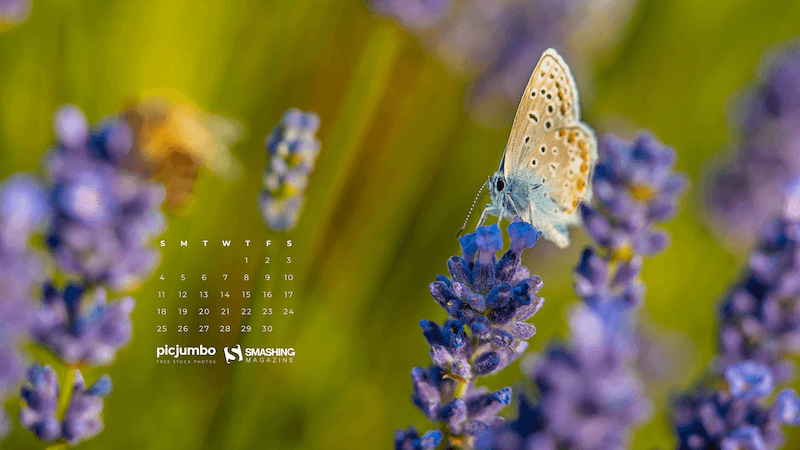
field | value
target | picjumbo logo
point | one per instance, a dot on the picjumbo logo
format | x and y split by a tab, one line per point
230	354
177	351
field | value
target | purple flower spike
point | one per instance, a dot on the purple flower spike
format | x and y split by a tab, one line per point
40	397
80	326
635	188
735	419
23	210
759	178
292	149
749	380
82	418
488	303
411	440
104	217
760	316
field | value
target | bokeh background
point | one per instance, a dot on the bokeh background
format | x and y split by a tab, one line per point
402	157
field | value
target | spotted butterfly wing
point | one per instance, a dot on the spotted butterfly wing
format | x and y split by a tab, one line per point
550	154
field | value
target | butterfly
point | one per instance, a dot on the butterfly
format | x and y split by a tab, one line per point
546	169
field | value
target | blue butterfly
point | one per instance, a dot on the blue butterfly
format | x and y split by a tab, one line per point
546	169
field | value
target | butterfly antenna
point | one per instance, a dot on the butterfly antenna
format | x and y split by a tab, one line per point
477	197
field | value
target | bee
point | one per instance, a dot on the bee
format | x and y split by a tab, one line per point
173	141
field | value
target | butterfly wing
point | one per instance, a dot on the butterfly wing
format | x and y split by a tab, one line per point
550	101
550	154
563	160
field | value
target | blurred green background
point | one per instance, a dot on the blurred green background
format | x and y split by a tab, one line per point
399	167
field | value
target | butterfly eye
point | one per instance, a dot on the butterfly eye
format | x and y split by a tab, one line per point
500	184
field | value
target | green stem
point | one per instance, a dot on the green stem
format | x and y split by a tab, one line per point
66	391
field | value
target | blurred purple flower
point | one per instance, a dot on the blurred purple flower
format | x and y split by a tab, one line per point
104	217
292	149
759	330
23	210
761	173
14	11
717	419
10	365
497	43
759	318
528	29
634	188
488	302
79	326
82	415
589	397
413	14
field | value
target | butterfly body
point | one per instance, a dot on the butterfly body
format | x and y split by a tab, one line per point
545	171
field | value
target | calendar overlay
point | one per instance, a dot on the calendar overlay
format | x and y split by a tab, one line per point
204	315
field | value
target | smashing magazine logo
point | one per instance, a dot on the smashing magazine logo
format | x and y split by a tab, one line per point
230	354
258	354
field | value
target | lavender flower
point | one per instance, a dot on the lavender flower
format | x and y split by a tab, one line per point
82	415
589	395
761	175
22	211
759	330
760	316
80	326
292	149
104	216
411	440
14	11
635	187
736	418
488	302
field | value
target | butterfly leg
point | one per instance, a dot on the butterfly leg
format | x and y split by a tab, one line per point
483	216
516	210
